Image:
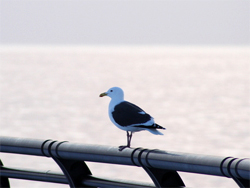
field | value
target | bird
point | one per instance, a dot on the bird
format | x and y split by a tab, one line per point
128	116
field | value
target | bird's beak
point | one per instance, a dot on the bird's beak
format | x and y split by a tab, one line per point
103	94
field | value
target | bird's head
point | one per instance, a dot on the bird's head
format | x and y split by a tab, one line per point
114	93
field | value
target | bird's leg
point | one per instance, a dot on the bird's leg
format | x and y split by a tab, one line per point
129	136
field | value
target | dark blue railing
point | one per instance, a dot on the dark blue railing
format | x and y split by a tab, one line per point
161	166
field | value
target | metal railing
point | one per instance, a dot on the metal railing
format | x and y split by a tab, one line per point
161	166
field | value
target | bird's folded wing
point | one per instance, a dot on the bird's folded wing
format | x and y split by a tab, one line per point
128	114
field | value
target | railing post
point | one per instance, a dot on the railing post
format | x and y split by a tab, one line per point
160	177
164	178
4	181
75	171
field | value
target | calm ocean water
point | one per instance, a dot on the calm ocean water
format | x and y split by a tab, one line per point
199	94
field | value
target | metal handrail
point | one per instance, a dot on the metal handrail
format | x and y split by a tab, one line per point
238	169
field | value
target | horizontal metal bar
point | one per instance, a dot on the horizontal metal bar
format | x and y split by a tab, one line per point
203	164
99	182
47	176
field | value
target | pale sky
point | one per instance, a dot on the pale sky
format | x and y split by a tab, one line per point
165	22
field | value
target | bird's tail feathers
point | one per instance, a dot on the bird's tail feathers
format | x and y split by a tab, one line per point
154	131
158	126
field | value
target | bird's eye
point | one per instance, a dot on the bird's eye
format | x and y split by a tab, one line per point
111	90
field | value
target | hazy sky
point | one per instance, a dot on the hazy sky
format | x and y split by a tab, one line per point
206	22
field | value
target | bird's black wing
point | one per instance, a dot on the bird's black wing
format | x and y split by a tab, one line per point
126	114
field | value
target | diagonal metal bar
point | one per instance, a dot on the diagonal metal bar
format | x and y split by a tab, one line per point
4	181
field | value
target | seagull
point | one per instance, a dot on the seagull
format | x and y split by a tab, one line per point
128	116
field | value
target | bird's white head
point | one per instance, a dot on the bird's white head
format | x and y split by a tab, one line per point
114	93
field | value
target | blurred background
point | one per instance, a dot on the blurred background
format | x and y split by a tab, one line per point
199	22
185	62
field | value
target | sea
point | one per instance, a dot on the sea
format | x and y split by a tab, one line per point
200	94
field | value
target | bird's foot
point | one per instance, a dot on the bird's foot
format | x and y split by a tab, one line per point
123	147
